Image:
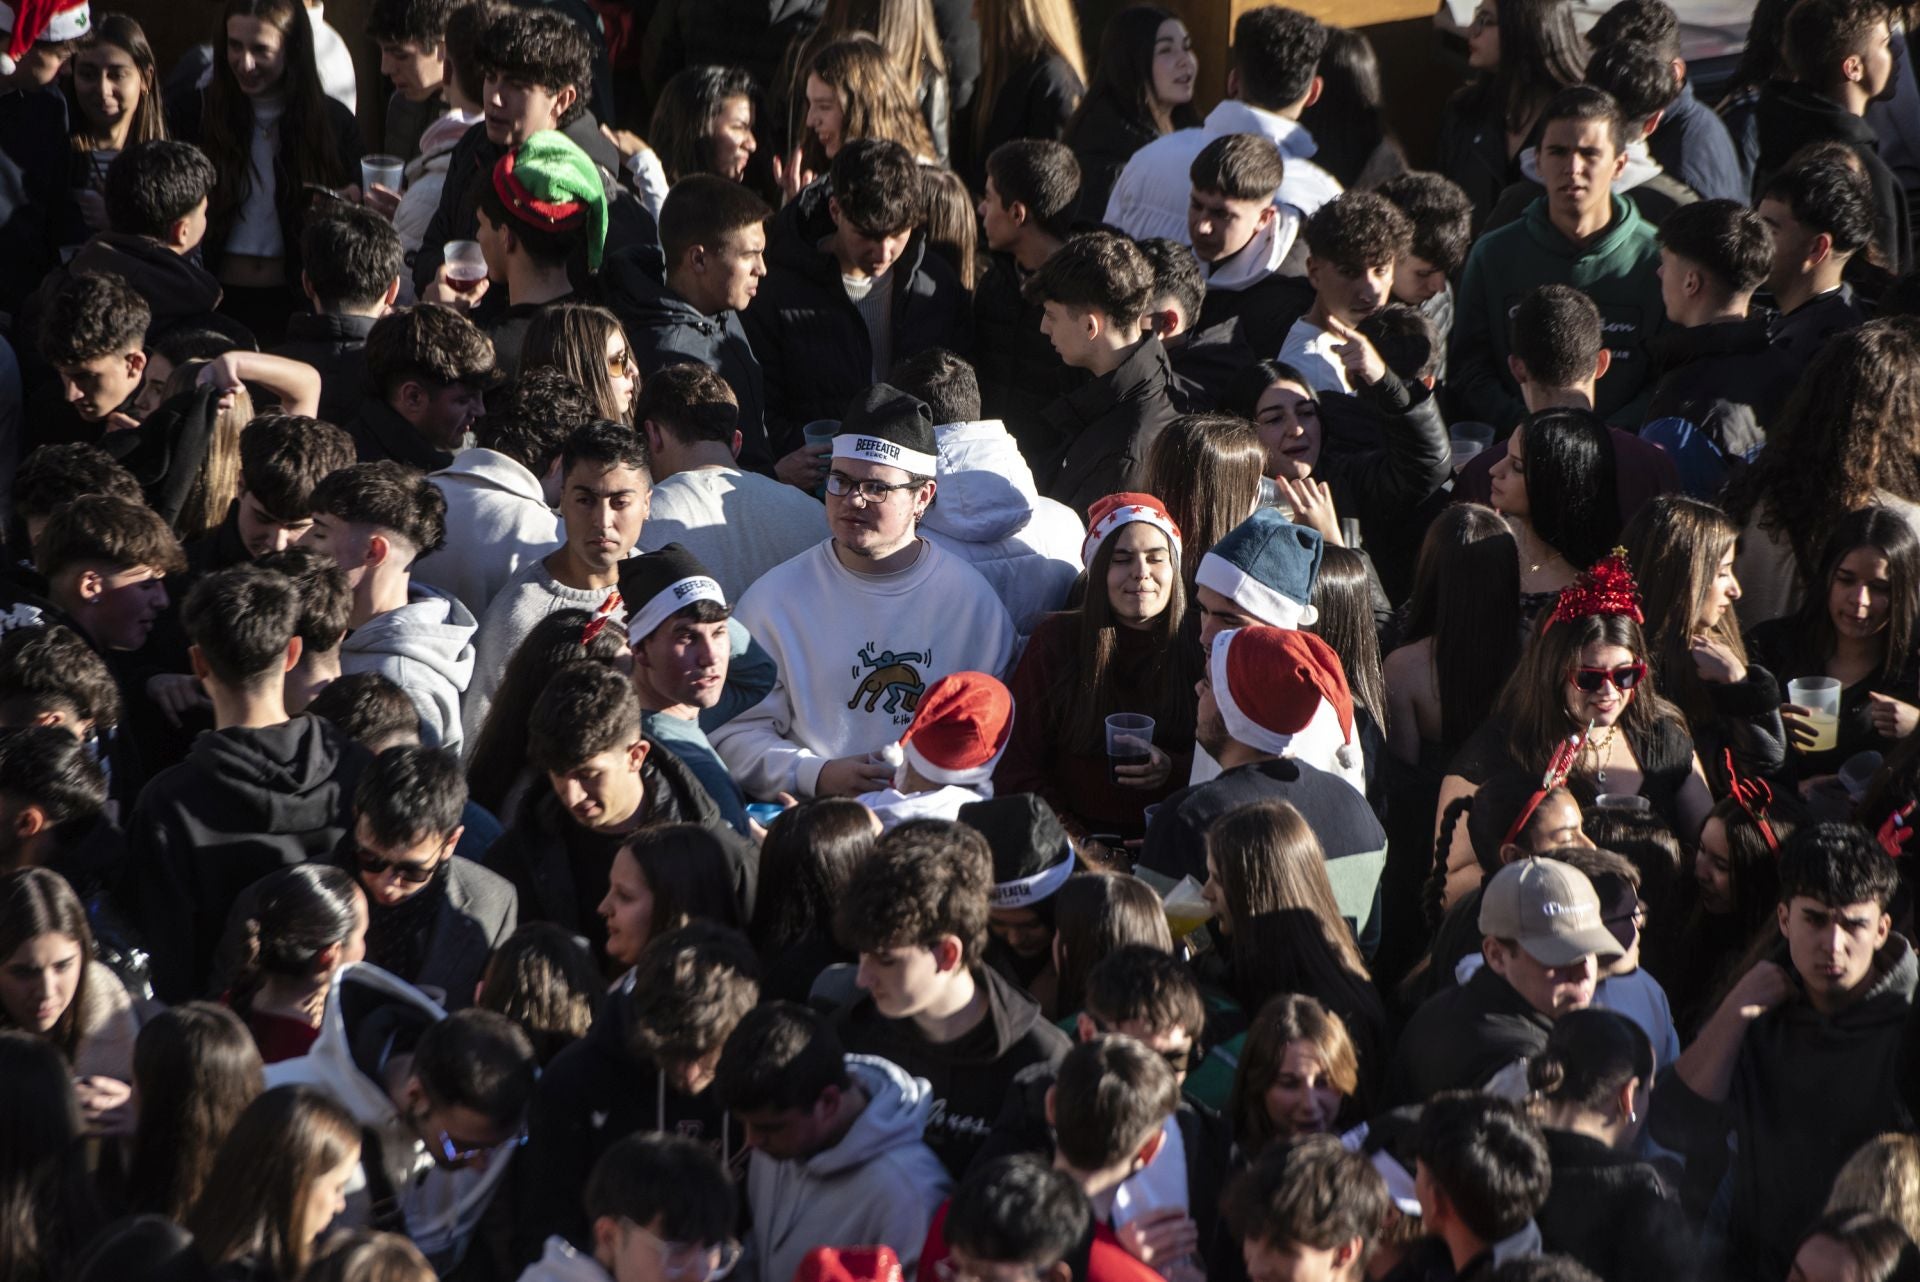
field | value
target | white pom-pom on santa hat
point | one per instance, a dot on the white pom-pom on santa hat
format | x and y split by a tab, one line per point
31	21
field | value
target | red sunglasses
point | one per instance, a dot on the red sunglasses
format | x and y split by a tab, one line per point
1622	678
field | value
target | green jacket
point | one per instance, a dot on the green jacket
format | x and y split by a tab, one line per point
1618	271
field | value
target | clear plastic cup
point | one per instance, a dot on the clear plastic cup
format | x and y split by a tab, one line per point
1467	440
382	170
1129	743
1820	696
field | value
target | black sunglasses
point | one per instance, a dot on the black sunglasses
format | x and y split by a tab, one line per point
412	873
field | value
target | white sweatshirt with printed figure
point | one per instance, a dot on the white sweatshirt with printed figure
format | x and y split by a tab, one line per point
854	653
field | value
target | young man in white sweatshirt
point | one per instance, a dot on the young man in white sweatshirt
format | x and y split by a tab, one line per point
863	623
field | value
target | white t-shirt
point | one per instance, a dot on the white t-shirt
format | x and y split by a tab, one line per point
1309	349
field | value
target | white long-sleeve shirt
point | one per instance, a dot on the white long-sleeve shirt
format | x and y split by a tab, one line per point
854	652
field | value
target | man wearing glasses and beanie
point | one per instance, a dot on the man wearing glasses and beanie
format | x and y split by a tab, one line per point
863	623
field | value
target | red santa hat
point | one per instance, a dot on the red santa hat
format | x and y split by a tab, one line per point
959	730
849	1264
1272	684
1115	510
31	21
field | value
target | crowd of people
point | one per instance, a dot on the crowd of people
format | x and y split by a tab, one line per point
840	641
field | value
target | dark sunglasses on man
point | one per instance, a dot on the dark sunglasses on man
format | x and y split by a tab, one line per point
409	871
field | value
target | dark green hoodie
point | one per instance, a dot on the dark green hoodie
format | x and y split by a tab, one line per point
1808	1089
1618	271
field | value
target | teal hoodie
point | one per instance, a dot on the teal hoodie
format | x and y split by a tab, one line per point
1618	271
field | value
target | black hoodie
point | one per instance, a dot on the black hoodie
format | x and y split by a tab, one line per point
1791	116
1610	1211
243	804
595	1093
1807	1091
973	1075
665	329
813	346
175	286
1462	1036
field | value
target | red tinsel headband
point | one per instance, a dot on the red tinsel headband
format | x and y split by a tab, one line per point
1605	587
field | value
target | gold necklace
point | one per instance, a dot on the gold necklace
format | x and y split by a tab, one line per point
1602	753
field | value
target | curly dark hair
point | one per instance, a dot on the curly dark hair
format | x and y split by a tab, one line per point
153	184
427	343
540	47
1640	80
1725	239
326	601
1441	214
691	988
1101	270
1826	195
877	186
94	314
926	879
58	664
1358	230
530	418
111	531
56	474
284	457
419	22
1651	22
586	709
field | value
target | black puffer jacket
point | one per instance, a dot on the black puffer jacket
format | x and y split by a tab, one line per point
335	345
812	344
665	329
1611	1212
1108	426
1020	373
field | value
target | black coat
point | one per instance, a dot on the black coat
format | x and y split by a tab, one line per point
1035	100
1611	1212
1796	337
471	165
1266	310
665	329
1205	362
1020	373
185	121
1791	116
36	206
1386	485
379	433
1473	147
177	288
1462	1036
333	344
1104	138
813	346
1107	427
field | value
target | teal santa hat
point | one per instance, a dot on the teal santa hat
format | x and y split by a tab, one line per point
1267	565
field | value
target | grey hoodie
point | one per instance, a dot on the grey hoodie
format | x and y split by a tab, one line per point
426	648
990	514
879	1184
560	1262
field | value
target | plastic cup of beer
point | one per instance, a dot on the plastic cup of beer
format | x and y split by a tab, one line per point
1129	743
1820	696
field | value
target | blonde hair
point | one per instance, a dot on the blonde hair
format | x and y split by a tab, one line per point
952	225
1883	1176
1014	31
217	484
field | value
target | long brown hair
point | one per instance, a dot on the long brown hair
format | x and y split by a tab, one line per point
874	101
1343	594
1676	545
1288	931
1084	691
196	1068
150	117
306	151
1466	596
256	1197
1017	31
572	338
1289	1017
36	902
1206	469
1534	702
1095	913
1850	430
48	1213
953	225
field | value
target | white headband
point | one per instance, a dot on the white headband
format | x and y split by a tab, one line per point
1127	514
668	601
1023	891
1265	603
878	449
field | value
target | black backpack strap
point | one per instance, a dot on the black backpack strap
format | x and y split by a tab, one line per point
383	1213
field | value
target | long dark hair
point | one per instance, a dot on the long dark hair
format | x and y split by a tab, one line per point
150	117
1095	913
1343	595
1534	702
1121	82
1761	59
1541	53
1675	545
686	870
36	902
1347	120
500	749
1850	430
681	130
1205	469
298	913
1753	866
196	1069
256	1198
1288	933
47	1207
806	861
305	151
1466	596
1572	502
1813	635
1082	695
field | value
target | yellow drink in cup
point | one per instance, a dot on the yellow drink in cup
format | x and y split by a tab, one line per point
1826	731
1820	696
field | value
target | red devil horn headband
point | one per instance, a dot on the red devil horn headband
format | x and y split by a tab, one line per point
1558	768
1754	797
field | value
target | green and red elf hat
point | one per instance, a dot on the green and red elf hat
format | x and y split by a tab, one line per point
547	182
